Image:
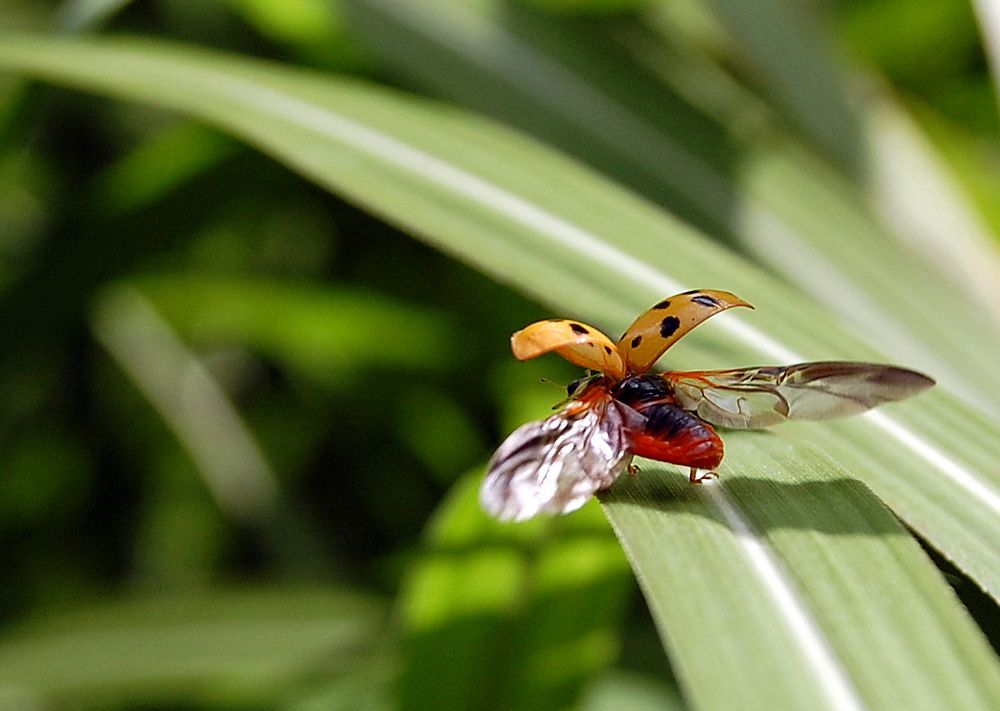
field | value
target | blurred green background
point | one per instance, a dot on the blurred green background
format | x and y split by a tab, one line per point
232	403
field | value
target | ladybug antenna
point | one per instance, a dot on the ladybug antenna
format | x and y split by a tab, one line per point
575	388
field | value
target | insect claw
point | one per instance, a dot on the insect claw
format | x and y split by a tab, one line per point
633	469
695	478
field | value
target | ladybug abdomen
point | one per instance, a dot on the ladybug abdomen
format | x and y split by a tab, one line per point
676	436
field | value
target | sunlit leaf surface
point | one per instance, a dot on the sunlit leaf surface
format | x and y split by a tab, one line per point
789	578
644	103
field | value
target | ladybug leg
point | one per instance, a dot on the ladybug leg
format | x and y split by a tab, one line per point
696	478
633	469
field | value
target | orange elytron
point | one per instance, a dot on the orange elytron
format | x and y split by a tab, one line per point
619	411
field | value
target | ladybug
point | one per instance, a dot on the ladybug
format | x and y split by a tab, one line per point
619	410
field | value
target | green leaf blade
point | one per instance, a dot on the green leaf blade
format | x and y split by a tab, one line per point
520	616
184	646
590	248
587	89
802	565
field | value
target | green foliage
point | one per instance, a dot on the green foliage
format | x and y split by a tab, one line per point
187	646
245	413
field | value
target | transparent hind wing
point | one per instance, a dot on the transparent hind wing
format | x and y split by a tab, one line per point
554	466
755	398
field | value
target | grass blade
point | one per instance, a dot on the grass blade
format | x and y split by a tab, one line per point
526	215
720	159
808	541
184	647
541	602
584	248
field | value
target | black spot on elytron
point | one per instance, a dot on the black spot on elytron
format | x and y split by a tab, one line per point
689	291
705	300
669	326
663	304
636	341
607	349
577	328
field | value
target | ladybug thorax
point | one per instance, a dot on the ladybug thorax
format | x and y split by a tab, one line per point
636	390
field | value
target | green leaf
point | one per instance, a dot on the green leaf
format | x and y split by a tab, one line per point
520	616
327	334
812	90
166	160
814	550
661	115
234	645
918	208
190	401
535	220
79	15
618	691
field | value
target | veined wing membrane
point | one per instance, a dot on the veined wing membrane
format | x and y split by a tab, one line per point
759	397
556	465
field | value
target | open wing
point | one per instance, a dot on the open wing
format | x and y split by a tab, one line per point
666	322
556	465
577	342
754	398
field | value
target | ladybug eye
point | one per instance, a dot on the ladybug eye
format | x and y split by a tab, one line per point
572	387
